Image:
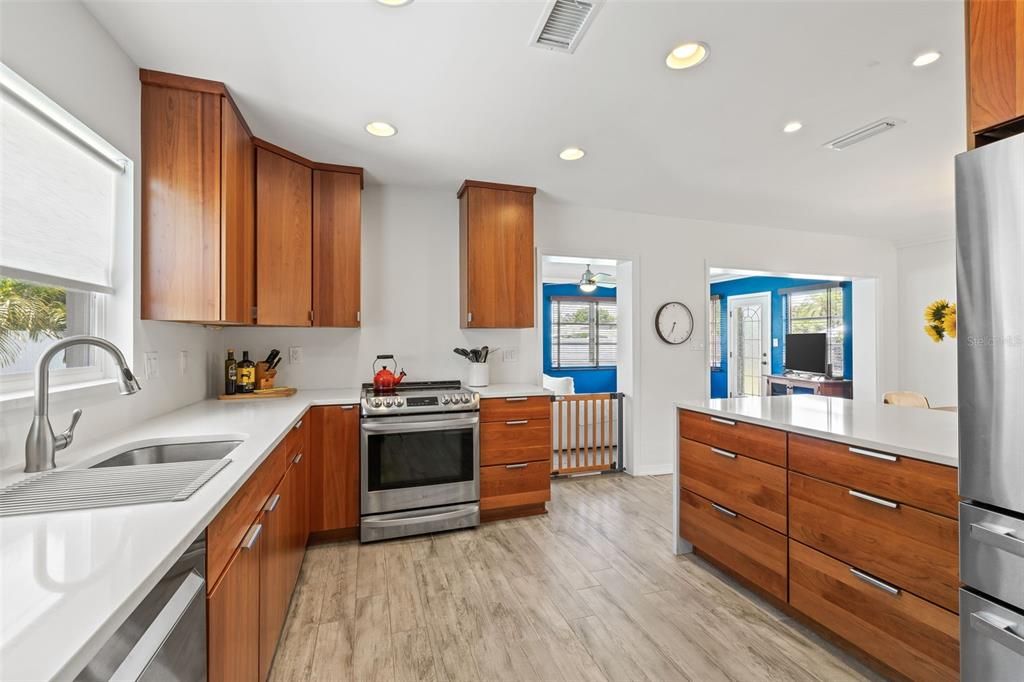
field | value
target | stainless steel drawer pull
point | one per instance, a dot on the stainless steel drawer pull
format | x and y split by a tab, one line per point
272	503
348	407
875	455
298	425
999	537
515	466
723	453
250	538
517	422
297	458
999	629
727	422
875	582
516	400
727	512
873	499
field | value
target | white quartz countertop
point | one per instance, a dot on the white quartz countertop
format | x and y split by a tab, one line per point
510	390
68	580
929	435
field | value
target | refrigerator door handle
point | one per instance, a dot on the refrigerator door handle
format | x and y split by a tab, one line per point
998	629
999	537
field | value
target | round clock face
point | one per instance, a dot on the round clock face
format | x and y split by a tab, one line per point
674	323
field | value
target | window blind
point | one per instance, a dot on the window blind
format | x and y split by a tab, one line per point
818	310
584	332
716	324
58	200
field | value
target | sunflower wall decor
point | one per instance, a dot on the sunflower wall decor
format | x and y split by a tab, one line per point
940	316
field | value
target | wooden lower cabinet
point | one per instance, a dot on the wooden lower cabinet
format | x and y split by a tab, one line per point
759	442
515	440
906	633
515	456
515	485
334	468
233	618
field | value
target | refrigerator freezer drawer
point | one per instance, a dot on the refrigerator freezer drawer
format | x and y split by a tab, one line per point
992	553
991	640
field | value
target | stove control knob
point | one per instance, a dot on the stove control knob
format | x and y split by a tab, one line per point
445	399
387	402
465	399
399	401
376	402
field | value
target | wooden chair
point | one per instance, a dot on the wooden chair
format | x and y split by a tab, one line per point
905	399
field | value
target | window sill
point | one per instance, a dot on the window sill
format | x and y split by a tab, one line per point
15	400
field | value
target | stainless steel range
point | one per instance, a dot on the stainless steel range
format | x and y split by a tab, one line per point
419	460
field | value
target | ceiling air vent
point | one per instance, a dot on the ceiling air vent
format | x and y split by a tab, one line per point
563	24
860	134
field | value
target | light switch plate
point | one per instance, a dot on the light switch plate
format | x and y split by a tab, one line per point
152	360
182	362
775	343
295	355
510	354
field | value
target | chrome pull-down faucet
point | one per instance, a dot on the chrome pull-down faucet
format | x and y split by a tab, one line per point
42	444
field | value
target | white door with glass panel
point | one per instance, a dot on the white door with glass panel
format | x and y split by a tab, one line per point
750	344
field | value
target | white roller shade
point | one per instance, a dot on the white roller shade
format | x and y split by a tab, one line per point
58	193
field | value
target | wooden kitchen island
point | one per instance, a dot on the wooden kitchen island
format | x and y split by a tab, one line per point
842	512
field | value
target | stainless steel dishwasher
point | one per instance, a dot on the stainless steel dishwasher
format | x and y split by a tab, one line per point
164	639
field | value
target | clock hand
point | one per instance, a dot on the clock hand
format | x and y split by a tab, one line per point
672	329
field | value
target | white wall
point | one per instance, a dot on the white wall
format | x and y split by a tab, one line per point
410	306
926	272
60	49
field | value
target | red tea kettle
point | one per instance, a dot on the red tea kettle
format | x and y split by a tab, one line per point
384	379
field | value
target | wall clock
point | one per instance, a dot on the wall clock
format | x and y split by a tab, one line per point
674	323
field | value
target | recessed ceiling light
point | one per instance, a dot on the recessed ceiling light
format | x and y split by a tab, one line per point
572	154
394	3
792	127
926	58
380	129
686	55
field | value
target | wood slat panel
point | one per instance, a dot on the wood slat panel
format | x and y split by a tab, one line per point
759	442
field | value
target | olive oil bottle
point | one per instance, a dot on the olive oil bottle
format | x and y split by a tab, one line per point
246	374
230	373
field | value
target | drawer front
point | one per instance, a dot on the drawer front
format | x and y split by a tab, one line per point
509	409
919	484
752	551
992	553
749	486
226	531
767	445
514	441
515	485
907	633
912	549
991	639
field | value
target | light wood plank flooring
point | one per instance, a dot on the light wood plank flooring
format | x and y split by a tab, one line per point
589	592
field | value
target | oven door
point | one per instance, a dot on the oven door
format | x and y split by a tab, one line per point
416	461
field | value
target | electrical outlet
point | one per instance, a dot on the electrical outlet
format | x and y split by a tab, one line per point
510	354
775	343
295	355
182	362
152	361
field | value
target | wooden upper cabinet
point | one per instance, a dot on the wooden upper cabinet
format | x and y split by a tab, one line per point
995	64
337	220
284	248
197	203
496	278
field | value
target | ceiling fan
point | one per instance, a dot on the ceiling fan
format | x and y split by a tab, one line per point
590	281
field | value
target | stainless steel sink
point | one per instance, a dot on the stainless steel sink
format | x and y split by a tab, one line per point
168	453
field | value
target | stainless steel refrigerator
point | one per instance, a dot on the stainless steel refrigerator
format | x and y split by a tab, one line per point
990	368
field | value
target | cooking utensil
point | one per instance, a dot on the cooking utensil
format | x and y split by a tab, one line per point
484	352
463	352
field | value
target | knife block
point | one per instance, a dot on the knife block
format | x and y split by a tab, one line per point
264	376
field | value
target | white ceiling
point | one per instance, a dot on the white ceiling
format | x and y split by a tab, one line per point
569	269
471	99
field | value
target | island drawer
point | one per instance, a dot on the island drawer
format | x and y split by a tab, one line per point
759	442
910	548
521	407
906	633
515	485
514	441
903	479
748	486
745	547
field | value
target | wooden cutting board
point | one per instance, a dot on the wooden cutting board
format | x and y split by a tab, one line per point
279	392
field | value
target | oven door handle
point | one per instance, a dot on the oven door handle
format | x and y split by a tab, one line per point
439	516
415	426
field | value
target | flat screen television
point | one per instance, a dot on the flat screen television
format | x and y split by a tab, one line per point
807	353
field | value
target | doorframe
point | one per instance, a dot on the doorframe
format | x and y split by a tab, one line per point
766	322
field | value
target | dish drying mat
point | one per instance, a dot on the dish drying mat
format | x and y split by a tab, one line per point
74	489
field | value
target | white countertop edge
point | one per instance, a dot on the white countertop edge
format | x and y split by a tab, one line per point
510	390
847	439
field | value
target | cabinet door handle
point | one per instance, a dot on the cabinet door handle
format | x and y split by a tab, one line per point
272	503
875	455
517	422
297	458
998	629
516	400
874	582
250	538
728	512
348	407
515	466
727	422
723	453
298	425
873	499
999	537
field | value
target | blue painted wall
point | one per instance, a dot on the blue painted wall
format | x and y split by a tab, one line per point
754	285
603	380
